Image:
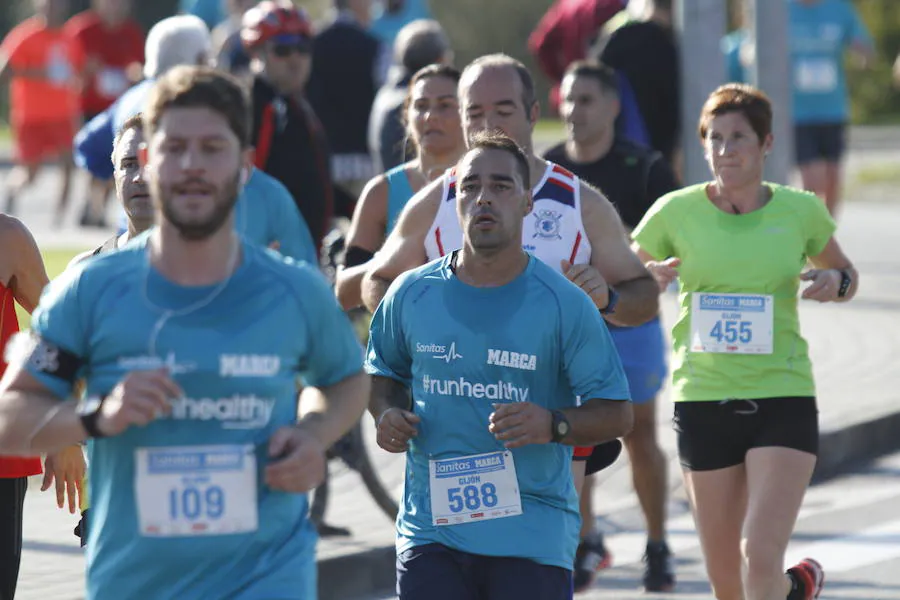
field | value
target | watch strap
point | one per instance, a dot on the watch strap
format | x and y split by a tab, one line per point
846	282
613	299
89	420
557	417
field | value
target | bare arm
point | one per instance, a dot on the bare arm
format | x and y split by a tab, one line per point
34	420
330	412
25	407
391	407
366	232
388	393
597	421
833	260
612	256
28	276
405	247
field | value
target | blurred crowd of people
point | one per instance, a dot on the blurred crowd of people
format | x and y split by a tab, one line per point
356	115
345	79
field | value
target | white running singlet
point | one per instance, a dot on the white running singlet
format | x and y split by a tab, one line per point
552	232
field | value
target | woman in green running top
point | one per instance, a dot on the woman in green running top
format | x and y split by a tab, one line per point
745	409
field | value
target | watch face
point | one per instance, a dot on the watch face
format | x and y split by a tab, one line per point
89	405
563	428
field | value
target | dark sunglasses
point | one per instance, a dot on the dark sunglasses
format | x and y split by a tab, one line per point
285	50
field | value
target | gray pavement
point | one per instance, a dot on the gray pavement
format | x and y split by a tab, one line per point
853	346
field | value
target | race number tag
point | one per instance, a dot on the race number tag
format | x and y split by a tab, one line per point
474	488
732	323
196	490
816	75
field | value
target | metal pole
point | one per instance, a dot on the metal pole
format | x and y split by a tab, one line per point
771	72
701	25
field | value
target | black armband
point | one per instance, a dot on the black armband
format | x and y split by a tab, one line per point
46	357
354	256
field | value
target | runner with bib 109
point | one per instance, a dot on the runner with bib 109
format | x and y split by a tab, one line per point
479	359
198	464
745	408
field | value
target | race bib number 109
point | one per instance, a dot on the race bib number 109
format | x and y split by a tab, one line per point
732	323
196	490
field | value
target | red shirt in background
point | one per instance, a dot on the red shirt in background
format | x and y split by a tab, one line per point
53	98
111	50
564	34
12	466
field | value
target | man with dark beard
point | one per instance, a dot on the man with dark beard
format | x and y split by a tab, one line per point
198	461
264	212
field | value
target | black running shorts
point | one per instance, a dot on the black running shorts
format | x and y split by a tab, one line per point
715	435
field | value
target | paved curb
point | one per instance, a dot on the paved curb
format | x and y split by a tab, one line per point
842	449
373	571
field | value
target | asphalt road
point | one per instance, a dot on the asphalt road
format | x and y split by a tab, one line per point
851	525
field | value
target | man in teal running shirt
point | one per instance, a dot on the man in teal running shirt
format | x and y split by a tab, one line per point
480	360
192	344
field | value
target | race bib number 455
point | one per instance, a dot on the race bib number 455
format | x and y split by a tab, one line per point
196	490
474	488
732	323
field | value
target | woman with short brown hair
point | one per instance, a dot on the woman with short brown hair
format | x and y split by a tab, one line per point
745	408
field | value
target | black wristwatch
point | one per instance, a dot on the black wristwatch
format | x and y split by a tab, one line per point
88	410
846	282
613	296
560	427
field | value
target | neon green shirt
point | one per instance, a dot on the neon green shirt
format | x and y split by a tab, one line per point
762	252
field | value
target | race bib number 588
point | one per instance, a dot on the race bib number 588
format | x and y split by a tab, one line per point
474	488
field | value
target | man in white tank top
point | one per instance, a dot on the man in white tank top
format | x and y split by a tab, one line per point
572	227
553	232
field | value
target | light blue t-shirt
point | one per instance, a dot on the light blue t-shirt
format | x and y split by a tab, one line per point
731	48
211	11
819	34
460	348
385	26
266	213
179	508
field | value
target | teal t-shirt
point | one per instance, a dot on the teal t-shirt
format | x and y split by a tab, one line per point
819	35
461	349
266	213
179	508
820	32
735	259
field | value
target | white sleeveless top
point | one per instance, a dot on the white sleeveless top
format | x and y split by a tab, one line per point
552	232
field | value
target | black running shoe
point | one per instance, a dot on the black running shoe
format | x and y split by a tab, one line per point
659	574
591	556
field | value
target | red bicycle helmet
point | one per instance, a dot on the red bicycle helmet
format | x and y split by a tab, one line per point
271	19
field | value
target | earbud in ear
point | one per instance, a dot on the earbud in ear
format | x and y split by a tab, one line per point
244	176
